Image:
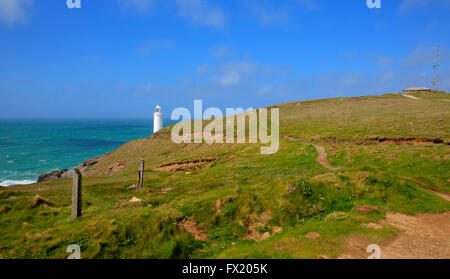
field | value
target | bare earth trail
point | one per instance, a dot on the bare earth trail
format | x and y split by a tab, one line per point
424	236
417	98
411	97
322	157
442	195
321	153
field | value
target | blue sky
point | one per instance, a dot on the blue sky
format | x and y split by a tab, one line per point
119	58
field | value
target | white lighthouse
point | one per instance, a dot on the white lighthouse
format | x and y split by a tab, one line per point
157	119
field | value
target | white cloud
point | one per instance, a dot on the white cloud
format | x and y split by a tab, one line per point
348	56
245	73
202	69
309	4
239	67
267	13
416	5
423	57
140	6
269	16
385	61
143	89
15	11
265	89
350	79
198	12
220	52
227	79
409	5
146	87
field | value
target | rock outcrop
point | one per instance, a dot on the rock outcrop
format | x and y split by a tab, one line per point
57	174
87	165
65	173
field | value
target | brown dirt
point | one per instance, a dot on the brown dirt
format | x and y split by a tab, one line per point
373	226
290	138
322	157
257	222
116	167
411	97
44	235
312	235
442	195
365	208
185	165
285	243
219	205
38	201
88	165
424	236
193	228
406	140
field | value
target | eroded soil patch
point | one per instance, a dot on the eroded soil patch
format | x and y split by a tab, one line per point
194	229
406	140
116	167
185	165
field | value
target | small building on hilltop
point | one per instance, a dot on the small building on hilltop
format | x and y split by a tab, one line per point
416	89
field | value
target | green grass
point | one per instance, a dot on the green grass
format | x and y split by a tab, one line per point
431	95
244	193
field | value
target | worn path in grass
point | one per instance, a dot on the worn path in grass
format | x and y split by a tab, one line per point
321	153
322	157
424	236
442	195
411	97
417	98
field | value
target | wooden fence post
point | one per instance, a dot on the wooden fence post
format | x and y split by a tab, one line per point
76	193
141	174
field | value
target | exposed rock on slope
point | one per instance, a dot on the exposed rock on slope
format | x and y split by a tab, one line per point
65	173
54	175
87	165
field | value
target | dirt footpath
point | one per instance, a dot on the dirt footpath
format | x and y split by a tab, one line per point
411	97
424	236
322	157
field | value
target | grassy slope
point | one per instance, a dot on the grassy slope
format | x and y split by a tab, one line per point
244	193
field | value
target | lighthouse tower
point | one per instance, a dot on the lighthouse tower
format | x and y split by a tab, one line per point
157	119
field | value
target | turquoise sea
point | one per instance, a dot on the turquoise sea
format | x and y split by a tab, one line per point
29	148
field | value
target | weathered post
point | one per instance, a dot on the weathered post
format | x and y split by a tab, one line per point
76	194
141	174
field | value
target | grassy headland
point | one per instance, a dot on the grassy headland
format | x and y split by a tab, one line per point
244	204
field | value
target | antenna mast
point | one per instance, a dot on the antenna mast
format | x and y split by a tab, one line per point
435	81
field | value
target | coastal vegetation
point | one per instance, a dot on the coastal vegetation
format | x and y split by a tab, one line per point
343	163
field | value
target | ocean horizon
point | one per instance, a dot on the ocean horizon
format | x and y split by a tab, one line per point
29	148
